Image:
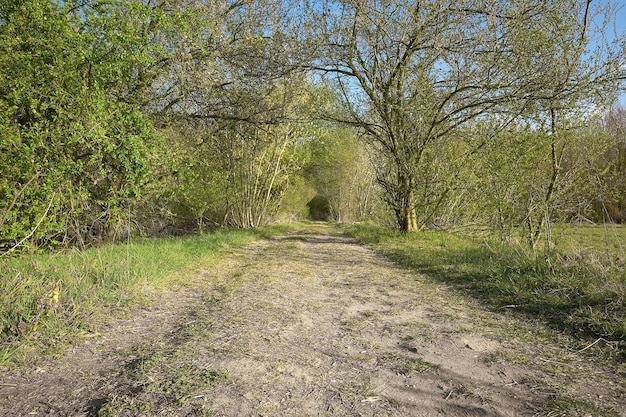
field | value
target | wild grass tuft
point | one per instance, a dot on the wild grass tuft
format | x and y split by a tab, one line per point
405	365
48	301
582	293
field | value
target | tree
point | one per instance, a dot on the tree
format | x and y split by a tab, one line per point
242	162
514	174
413	73
244	96
610	170
576	82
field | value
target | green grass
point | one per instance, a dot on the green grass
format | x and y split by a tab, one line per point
583	293
564	404
161	379
50	301
404	364
606	242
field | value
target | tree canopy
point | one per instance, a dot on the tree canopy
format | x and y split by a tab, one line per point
163	117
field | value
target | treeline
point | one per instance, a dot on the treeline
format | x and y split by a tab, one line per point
146	116
162	117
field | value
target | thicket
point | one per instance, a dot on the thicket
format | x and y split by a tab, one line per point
75	149
159	118
142	117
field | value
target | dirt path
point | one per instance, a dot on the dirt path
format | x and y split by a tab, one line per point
313	324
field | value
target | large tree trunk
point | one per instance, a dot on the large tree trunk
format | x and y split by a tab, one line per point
410	220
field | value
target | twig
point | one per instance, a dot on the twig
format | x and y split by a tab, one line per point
32	232
17	195
449	394
370	399
585	348
549	361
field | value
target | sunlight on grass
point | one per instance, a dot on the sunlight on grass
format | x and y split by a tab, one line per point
48	301
608	240
583	293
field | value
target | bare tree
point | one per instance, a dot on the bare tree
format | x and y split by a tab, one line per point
413	72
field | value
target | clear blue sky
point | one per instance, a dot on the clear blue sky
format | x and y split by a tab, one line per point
620	25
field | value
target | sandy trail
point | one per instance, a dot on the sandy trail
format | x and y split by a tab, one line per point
311	324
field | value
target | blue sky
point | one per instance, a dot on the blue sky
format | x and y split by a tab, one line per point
620	25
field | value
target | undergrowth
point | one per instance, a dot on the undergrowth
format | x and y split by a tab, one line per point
48	301
582	293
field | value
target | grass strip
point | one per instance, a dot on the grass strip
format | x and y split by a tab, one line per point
48	301
582	294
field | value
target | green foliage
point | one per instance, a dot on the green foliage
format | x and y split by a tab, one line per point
576	292
240	169
196	193
294	202
341	172
319	208
72	155
132	116
414	79
610	169
519	176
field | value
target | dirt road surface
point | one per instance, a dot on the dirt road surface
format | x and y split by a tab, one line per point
313	324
